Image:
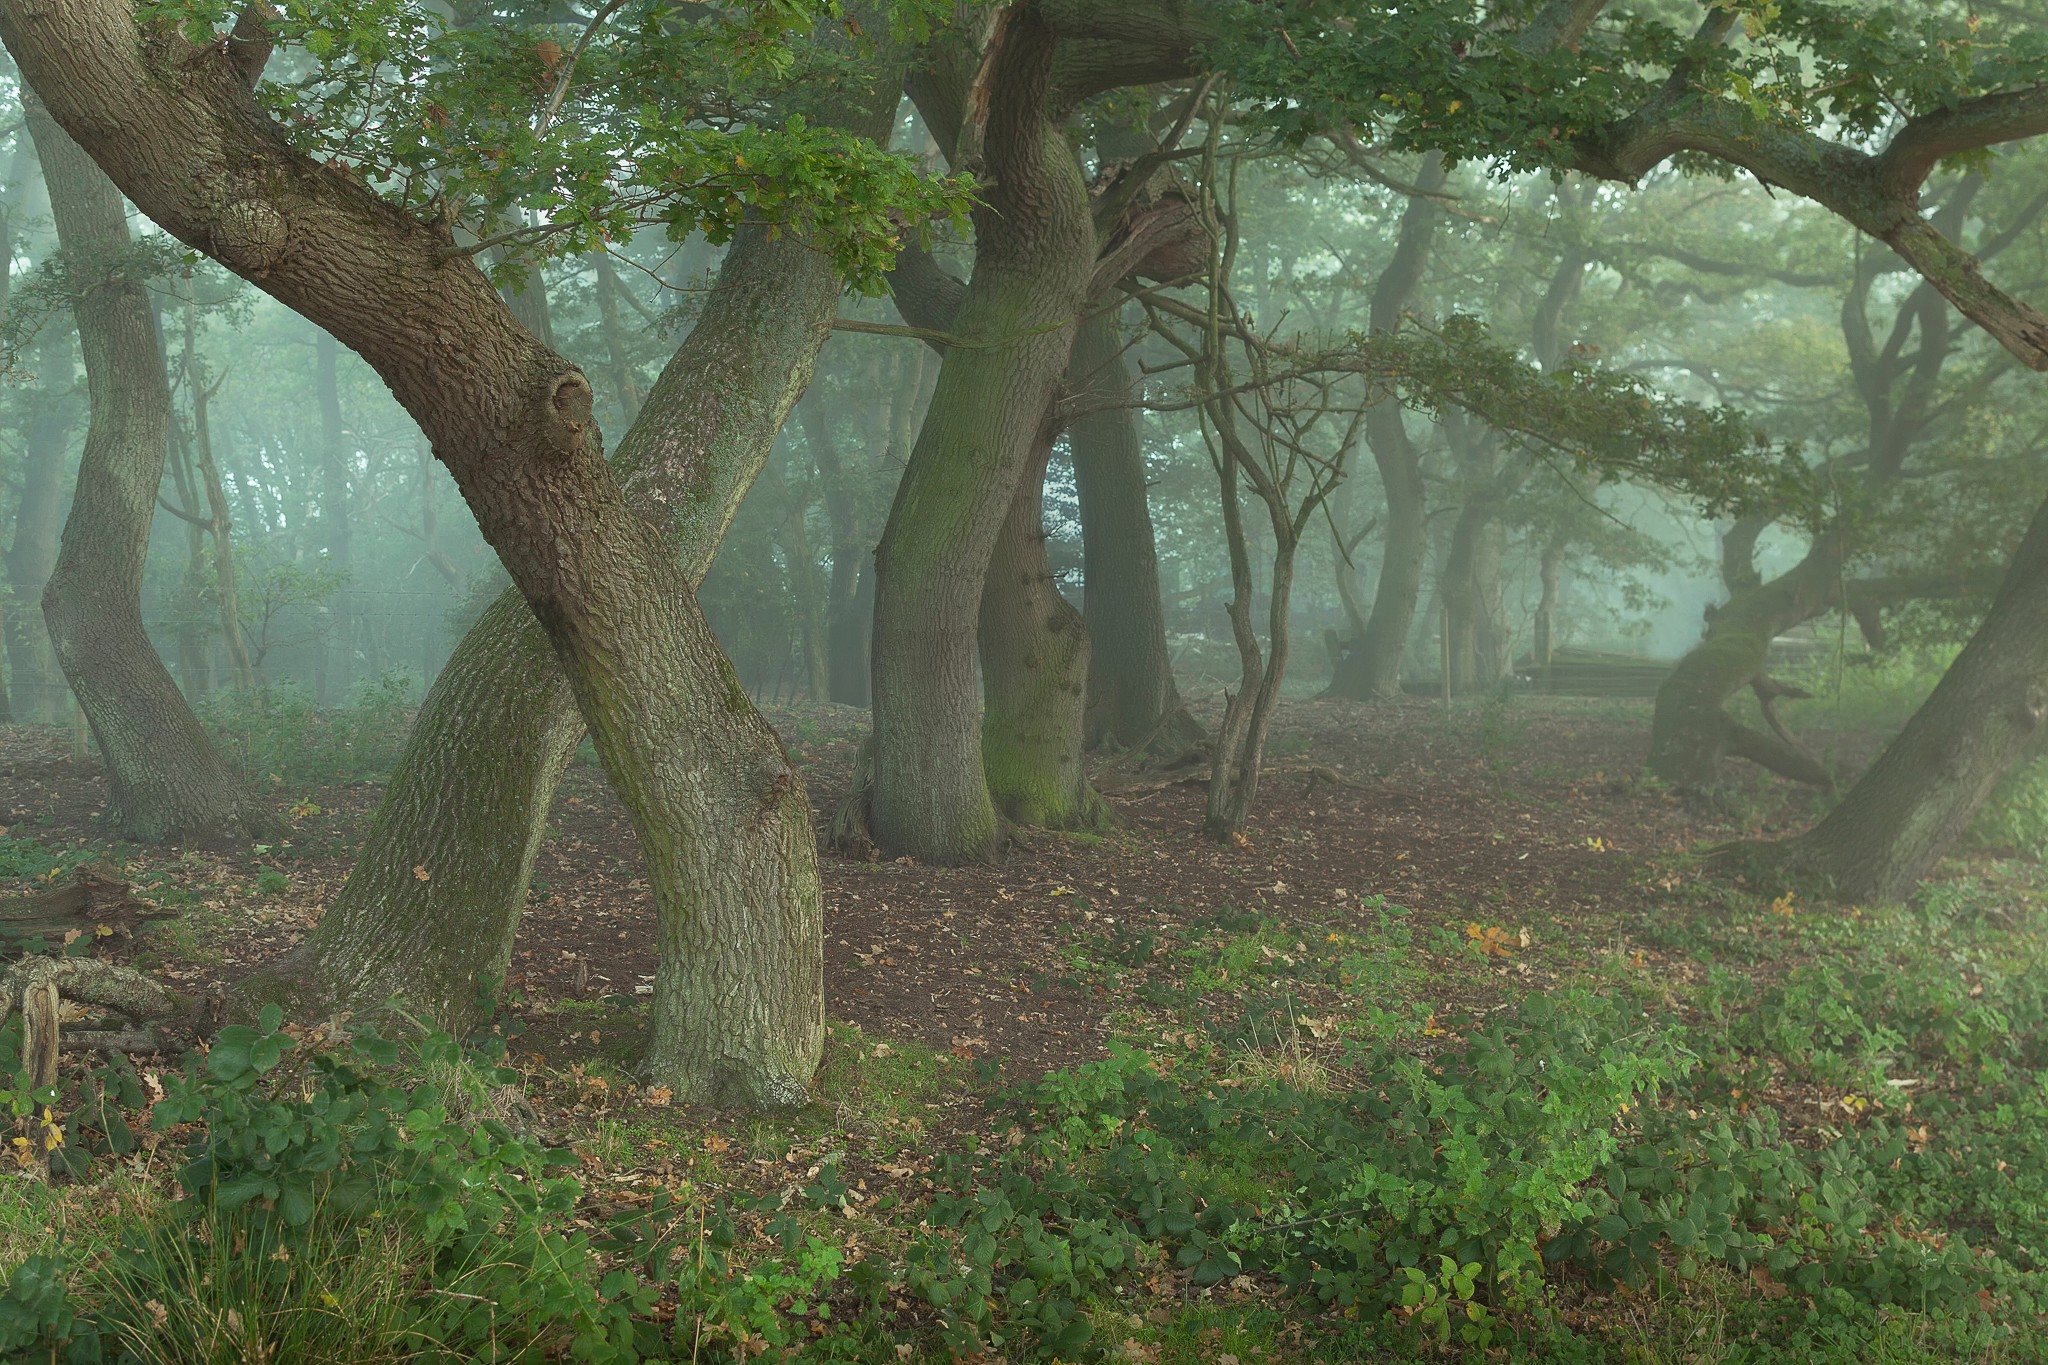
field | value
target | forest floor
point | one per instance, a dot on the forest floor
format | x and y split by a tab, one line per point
1464	865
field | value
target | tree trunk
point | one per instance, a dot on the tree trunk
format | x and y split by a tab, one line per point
1691	730
1982	719
38	691
1034	673
720	813
1132	697
1474	607
165	780
1549	570
337	643
846	627
1034	258
625	390
221	520
469	798
1371	669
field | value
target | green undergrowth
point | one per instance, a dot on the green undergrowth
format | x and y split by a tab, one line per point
1754	1131
280	736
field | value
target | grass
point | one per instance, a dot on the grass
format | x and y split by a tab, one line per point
1888	1064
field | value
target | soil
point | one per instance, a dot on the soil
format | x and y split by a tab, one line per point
1524	823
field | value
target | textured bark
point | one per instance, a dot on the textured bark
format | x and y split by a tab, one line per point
1372	668
1034	670
1132	698
468	800
721	815
1982	719
1035	254
37	687
164	779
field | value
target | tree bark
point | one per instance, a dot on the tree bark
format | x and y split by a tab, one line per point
165	781
1371	669
1035	249
1132	697
720	813
38	690
1982	719
467	803
1034	671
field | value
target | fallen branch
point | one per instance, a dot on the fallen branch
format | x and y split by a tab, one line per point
93	901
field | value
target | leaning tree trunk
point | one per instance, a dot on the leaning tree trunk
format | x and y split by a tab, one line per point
721	814
1034	672
38	691
467	803
1132	697
1691	730
165	781
1035	253
1372	667
1983	718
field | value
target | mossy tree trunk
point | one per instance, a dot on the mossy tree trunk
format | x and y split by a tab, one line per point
1035	251
165	781
1132	697
720	813
1982	719
1034	670
468	801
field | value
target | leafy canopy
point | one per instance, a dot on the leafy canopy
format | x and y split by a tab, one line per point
550	138
1446	74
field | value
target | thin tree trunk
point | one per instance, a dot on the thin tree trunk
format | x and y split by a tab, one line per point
165	780
46	435
1549	570
195	659
337	643
1372	667
1132	697
221	519
1034	258
1034	674
625	392
1983	718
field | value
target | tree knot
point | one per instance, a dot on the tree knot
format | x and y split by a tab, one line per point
567	418
249	235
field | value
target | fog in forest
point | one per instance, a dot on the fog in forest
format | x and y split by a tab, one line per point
1023	680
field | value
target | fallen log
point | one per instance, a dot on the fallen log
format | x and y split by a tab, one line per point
94	900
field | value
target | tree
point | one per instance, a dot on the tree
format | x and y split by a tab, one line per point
467	805
720	813
164	779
